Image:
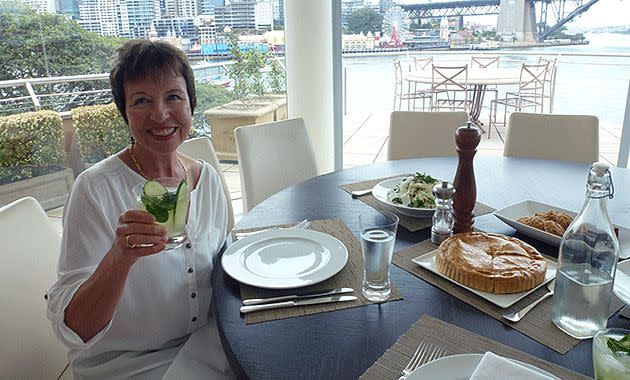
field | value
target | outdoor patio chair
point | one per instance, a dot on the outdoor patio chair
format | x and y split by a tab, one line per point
550	80
423	93
531	92
273	156
553	137
449	86
486	62
30	250
406	94
200	148
423	134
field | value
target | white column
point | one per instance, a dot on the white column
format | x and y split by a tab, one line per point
309	62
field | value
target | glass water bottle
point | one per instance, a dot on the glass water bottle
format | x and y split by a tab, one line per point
587	261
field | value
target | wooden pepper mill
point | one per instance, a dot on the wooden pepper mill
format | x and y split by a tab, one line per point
467	139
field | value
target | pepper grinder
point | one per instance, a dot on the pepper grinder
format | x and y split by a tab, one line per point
467	139
442	226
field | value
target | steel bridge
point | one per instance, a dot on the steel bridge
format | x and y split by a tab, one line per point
551	14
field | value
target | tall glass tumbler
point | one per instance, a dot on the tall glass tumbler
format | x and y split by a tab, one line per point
378	235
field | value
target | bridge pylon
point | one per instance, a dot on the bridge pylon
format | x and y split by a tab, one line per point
517	19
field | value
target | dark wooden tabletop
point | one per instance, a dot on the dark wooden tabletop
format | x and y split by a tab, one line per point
344	343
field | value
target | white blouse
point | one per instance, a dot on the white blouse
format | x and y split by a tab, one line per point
167	295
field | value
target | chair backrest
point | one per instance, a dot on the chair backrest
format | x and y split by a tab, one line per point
484	61
423	134
398	72
200	148
449	78
552	65
273	156
532	78
553	137
422	63
30	250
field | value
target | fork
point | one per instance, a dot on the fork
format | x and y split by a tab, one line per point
425	353
303	224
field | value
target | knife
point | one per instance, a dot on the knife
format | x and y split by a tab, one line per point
308	301
328	292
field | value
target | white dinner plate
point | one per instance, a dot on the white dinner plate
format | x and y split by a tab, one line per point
510	214
380	193
502	300
622	281
284	258
459	367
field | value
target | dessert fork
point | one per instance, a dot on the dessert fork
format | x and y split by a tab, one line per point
425	353
515	316
303	224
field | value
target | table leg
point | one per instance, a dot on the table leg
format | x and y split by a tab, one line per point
477	103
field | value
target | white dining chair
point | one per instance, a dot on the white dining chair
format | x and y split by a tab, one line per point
271	157
553	137
423	134
30	250
200	148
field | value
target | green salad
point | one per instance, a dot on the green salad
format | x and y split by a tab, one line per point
414	191
621	345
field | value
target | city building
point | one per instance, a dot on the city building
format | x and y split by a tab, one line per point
348	7
206	29
182	27
357	42
278	11
105	17
206	7
238	14
141	14
40	6
68	7
263	14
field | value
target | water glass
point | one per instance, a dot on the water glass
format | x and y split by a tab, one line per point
378	234
169	205
607	364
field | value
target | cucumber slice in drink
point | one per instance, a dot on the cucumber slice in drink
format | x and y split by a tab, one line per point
181	206
154	189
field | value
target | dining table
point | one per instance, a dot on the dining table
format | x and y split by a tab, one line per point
479	78
343	344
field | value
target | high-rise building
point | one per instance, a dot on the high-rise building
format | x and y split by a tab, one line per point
187	8
348	7
176	27
278	11
263	14
105	17
386	5
207	29
68	7
206	7
238	14
40	6
141	15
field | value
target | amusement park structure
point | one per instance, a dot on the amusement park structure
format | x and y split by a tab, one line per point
526	20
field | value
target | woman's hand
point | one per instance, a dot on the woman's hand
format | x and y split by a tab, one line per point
137	235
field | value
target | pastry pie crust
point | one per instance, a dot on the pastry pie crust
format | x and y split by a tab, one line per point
491	263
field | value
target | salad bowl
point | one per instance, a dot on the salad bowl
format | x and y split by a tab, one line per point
389	189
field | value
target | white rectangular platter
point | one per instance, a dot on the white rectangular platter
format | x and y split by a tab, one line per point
502	300
510	214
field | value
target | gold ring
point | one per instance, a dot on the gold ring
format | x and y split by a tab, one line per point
129	245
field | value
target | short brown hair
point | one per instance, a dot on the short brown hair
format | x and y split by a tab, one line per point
141	58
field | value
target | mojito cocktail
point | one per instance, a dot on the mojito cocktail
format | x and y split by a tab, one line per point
611	354
167	199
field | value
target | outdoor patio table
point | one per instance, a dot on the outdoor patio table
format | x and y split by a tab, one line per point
479	78
344	343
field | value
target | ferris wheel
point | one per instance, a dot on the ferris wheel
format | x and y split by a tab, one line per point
396	25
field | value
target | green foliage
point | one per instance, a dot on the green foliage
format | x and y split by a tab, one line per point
365	20
30	143
247	69
101	131
208	96
38	45
277	78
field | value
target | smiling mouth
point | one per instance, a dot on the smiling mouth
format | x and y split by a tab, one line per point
162	131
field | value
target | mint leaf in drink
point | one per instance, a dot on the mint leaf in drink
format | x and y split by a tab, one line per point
168	201
160	213
621	345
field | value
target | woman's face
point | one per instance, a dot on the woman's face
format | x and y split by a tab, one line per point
158	111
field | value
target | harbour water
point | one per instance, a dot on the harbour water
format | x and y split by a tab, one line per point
595	84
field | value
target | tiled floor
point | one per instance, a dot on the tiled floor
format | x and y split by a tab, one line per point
365	141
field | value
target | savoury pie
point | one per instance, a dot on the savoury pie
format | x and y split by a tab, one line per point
491	263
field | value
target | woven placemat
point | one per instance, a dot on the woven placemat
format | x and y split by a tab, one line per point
409	222
625	312
536	324
350	276
454	340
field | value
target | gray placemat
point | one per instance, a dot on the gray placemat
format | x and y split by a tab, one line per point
536	324
454	340
625	312
409	222
350	276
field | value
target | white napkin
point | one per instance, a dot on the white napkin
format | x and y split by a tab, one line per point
494	367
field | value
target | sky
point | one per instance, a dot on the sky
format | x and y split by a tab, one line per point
602	13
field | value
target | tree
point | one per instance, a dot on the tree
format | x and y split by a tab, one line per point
365	20
38	45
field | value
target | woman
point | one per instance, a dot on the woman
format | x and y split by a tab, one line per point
123	305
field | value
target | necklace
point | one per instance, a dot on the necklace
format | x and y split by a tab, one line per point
137	164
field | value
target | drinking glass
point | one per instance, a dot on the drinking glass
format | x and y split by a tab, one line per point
607	364
378	234
169	206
